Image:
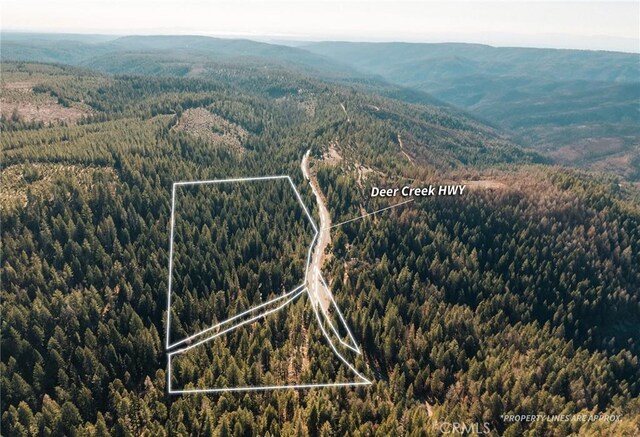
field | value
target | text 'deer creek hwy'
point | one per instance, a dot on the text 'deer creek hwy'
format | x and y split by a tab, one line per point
429	191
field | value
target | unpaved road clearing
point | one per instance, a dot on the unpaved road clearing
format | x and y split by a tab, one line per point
402	149
323	240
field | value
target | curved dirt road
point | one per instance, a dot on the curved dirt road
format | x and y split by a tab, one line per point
324	238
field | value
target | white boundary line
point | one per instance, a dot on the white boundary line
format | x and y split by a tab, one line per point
354	346
294	292
364	381
218	181
250	310
173	209
269	387
370	213
315	310
244	322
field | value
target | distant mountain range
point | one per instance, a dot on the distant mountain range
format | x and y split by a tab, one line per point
77	50
577	107
583	101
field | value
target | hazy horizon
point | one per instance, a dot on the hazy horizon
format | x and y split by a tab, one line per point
611	26
301	40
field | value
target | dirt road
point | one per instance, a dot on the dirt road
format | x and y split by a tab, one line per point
345	112
324	238
406	155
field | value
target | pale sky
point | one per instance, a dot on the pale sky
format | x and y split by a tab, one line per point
578	24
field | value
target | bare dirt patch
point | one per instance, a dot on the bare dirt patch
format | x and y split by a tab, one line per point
20	103
362	173
210	127
22	86
332	157
47	112
485	184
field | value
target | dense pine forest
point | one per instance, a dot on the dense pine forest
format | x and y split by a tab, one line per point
520	297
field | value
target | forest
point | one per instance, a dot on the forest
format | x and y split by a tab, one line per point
520	297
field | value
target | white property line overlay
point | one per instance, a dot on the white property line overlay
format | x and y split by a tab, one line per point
250	310
244	322
371	213
269	387
364	381
218	181
173	209
354	346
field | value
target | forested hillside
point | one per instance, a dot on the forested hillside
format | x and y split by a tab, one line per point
187	52
520	297
578	107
